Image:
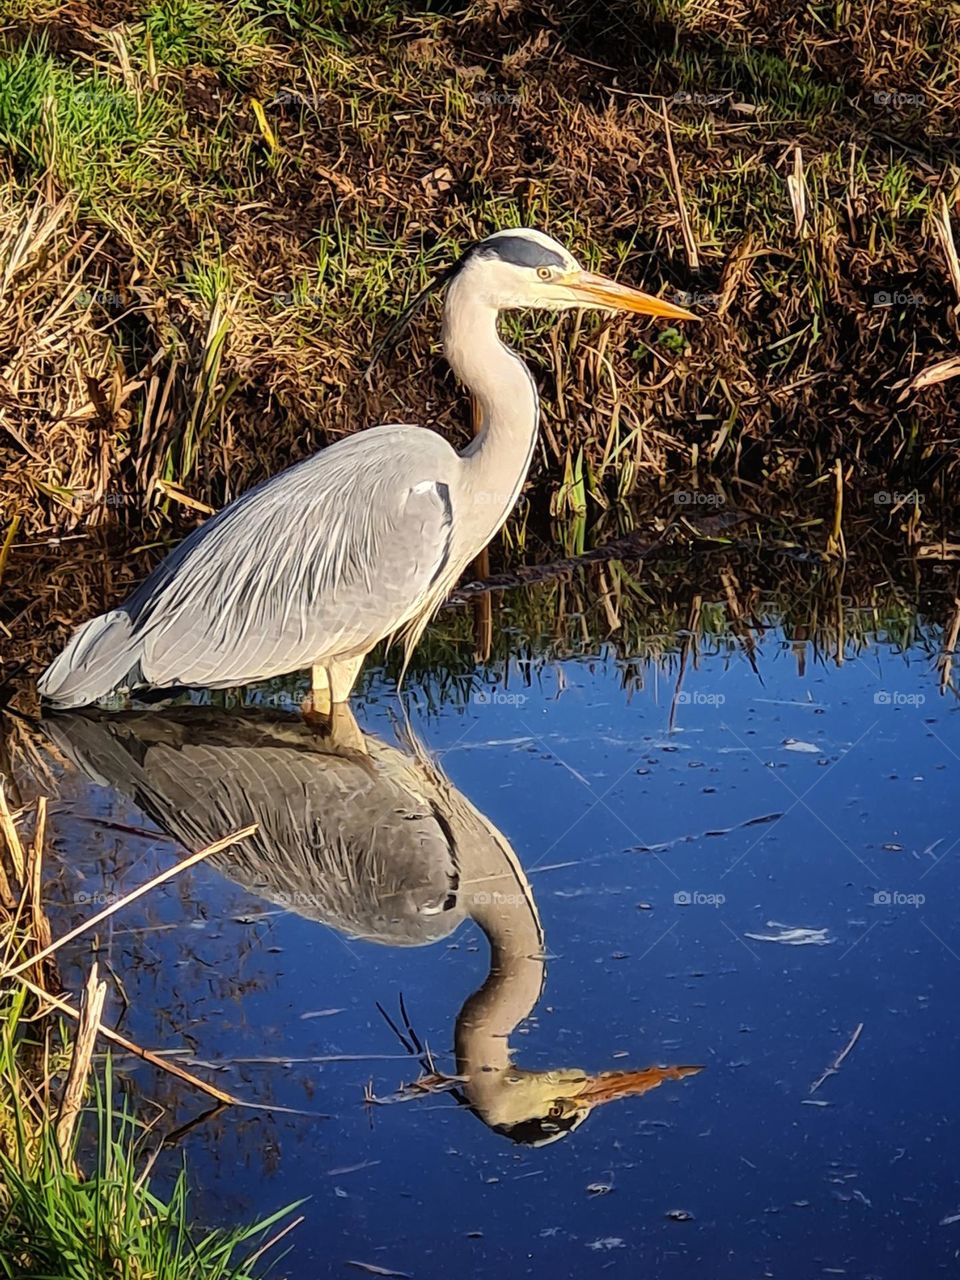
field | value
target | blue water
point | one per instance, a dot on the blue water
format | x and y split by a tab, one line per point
649	868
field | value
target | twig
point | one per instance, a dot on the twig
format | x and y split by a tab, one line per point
137	1050
9	832
690	244
944	230
945	660
797	188
162	878
83	1045
838	1060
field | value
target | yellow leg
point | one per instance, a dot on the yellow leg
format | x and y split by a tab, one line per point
345	733
320	701
342	676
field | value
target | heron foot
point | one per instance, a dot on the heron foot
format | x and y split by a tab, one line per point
336	726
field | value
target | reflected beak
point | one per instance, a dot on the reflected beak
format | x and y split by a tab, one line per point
610	1085
598	291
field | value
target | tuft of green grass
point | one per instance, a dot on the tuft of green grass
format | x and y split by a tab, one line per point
93	134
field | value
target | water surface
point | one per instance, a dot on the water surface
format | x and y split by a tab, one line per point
732	863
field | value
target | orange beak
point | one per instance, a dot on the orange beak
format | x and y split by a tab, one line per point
610	1085
598	291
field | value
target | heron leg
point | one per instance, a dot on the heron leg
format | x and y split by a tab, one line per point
320	701
345	733
343	676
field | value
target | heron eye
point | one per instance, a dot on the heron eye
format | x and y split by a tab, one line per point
556	1111
544	273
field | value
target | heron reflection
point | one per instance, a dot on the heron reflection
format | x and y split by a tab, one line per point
375	842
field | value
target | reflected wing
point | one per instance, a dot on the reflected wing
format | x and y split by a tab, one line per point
349	841
319	562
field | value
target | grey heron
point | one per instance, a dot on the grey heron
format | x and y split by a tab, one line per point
362	541
374	842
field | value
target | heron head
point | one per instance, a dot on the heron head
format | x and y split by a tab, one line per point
525	268
536	1108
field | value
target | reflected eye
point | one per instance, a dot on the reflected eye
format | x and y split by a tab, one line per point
544	273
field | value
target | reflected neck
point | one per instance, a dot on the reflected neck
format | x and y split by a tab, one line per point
500	900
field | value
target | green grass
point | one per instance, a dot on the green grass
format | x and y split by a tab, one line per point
98	138
229	38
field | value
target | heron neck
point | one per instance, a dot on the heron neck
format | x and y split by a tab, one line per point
496	462
498	897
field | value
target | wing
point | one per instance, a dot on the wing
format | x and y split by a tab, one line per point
319	562
350	841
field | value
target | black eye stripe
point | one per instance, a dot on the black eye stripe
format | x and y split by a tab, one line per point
520	251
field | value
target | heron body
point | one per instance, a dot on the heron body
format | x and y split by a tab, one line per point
362	541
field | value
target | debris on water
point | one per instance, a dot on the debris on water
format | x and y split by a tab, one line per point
644	906
351	1168
892	848
373	1270
792	935
340	1193
703	835
607	1242
679	1215
838	1060
320	1013
599	1188
950	1219
815	1102
795	744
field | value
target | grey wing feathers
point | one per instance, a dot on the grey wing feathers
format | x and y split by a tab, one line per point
349	841
319	562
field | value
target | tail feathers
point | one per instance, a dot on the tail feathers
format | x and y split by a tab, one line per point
98	658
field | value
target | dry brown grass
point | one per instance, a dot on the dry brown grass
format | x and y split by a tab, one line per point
166	344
